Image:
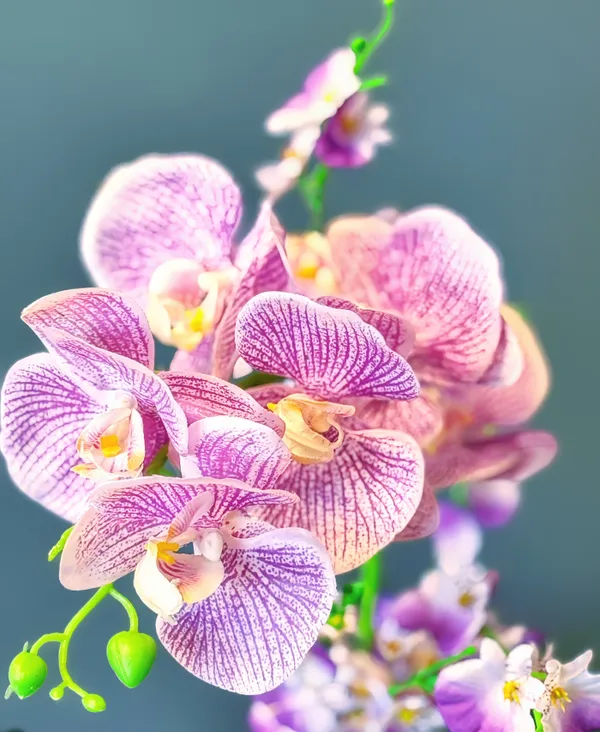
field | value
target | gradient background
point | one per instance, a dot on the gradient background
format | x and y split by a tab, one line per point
496	109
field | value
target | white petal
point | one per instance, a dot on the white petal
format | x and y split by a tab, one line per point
154	589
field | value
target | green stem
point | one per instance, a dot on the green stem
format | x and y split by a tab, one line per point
60	544
73	624
374	82
369	574
48	638
417	681
312	188
378	37
129	609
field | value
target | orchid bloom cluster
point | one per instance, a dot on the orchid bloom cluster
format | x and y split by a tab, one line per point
325	387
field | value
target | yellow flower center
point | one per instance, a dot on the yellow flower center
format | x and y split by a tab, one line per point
466	600
407	716
511	691
164	551
349	124
310	260
110	446
560	698
306	423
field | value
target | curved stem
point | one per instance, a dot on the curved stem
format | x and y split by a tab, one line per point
60	544
373	43
129	609
48	638
369	573
421	677
312	188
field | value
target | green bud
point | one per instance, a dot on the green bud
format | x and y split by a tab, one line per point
27	673
131	656
57	693
358	44
93	703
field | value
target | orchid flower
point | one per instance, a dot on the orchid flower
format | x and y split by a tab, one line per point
161	229
493	691
351	137
451	600
242	611
571	700
279	177
357	487
325	89
92	408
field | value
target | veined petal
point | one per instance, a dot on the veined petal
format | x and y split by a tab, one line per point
102	318
203	396
329	352
398	333
111	537
230	447
431	268
43	414
197	361
266	270
155	209
102	371
359	501
254	631
514	456
426	518
508	362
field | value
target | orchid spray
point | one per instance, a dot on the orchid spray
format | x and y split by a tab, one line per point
326	388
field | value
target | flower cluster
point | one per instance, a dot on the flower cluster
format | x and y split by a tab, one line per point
381	365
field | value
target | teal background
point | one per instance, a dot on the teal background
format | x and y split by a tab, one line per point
496	109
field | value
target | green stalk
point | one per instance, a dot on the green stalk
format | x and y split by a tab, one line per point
369	575
421	678
377	39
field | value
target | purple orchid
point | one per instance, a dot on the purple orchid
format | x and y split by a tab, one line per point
493	691
571	701
451	600
325	89
92	408
351	137
279	177
243	610
357	487
161	229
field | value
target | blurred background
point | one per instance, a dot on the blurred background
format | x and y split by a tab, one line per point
496	110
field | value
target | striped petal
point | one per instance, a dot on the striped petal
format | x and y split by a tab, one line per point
358	502
198	361
102	318
43	414
99	371
203	396
230	447
330	353
110	539
432	269
264	268
255	630
153	210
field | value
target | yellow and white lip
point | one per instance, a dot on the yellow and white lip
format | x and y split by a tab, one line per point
307	421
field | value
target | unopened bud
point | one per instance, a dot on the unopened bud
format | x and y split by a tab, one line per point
131	656
93	703
27	673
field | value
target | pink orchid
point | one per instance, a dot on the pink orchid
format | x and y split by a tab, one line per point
91	409
161	229
357	487
243	610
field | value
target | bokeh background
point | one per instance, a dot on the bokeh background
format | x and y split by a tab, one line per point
496	108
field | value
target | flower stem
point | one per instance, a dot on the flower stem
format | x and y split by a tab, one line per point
378	37
420	679
60	544
312	189
129	609
369	573
374	82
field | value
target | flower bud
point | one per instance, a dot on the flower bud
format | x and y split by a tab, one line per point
131	656
26	674
93	703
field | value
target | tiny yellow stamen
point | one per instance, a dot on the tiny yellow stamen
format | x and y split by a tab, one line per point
109	444
466	600
308	266
407	716
511	691
196	320
271	406
164	549
329	97
560	698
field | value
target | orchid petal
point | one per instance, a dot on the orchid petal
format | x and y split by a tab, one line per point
266	270
398	333
359	501
101	371
509	361
155	209
426	518
103	318
197	361
111	537
230	447
43	414
494	502
332	353
255	630
203	396
431	268
458	540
